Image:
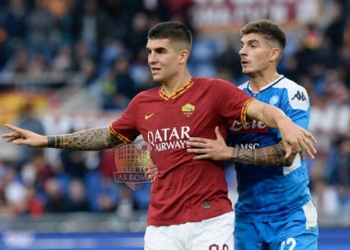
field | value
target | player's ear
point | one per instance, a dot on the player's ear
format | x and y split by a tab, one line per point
184	56
275	54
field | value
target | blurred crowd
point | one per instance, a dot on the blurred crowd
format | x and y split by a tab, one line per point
98	46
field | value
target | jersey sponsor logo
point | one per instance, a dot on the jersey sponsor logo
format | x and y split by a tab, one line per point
248	145
253	127
188	109
148	116
169	138
300	96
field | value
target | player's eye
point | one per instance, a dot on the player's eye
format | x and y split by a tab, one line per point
161	51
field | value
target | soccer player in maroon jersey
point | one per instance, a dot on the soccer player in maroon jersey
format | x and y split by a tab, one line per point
189	206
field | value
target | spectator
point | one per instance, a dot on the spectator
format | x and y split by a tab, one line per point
77	199
228	61
117	87
126	205
56	201
338	169
36	172
34	205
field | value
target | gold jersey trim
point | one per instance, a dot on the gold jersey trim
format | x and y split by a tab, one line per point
177	93
120	136
244	111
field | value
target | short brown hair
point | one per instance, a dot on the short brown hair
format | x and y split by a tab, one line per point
172	30
269	30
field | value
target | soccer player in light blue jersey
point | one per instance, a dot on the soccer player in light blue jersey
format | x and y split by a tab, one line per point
275	210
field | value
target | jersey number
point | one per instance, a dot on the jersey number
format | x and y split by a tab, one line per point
217	247
290	242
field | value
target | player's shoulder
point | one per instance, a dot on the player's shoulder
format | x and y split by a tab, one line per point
289	85
297	95
212	82
148	93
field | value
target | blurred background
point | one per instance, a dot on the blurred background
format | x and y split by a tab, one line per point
67	65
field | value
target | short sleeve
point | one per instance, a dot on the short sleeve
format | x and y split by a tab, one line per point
125	127
230	101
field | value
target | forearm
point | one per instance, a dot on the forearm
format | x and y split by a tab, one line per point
273	117
89	139
268	156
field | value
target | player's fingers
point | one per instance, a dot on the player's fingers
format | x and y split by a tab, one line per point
197	140
201	157
196	144
153	178
12	134
19	141
7	136
14	128
308	148
11	139
299	148
197	150
147	170
151	169
288	149
311	137
309	142
218	134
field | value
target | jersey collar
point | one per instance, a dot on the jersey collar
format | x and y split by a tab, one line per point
177	93
269	85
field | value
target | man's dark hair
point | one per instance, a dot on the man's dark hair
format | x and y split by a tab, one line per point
269	30
174	31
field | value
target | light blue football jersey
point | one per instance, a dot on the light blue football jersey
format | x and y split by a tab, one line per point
271	193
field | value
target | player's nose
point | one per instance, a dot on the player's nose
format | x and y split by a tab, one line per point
152	58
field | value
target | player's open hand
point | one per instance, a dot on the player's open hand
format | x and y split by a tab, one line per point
20	136
151	172
209	149
298	138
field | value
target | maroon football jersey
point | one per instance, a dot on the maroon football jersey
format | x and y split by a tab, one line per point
186	190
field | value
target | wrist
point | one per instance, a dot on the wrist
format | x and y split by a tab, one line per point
53	141
234	153
50	140
282	121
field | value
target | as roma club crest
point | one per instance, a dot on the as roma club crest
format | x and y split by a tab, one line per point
188	109
130	161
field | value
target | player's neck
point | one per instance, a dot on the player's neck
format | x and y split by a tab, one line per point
259	81
172	85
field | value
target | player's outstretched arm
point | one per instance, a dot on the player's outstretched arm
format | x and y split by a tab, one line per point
293	136
89	139
218	150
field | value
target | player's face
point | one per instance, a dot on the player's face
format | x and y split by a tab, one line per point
163	59
256	54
